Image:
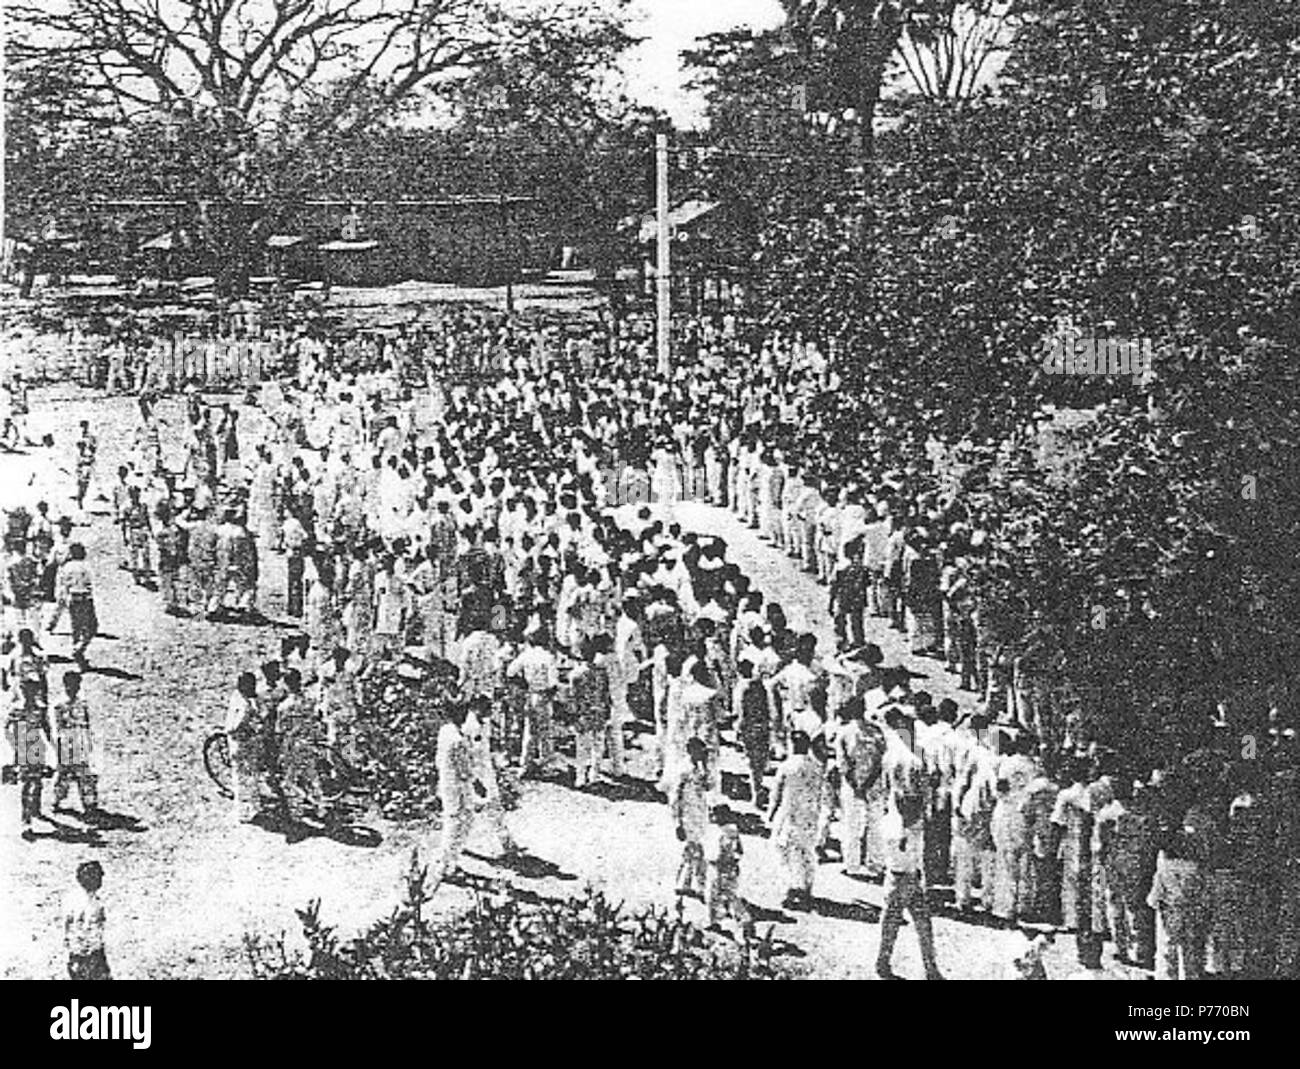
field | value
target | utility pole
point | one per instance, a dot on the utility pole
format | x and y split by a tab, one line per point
508	250
663	259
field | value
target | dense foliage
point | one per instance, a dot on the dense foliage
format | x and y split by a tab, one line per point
1133	174
502	937
398	722
1150	196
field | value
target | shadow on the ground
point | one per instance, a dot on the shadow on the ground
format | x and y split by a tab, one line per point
110	672
525	895
871	877
783	948
469	881
353	835
63	833
256	619
344	832
624	789
764	915
107	820
975	918
527	865
559	776
862	912
736	787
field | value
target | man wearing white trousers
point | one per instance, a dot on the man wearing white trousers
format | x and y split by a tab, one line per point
628	661
858	758
456	790
478	735
974	797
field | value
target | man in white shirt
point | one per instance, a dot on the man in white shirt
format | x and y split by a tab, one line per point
793	685
828	535
538	668
625	667
853	524
875	557
480	664
904	843
456	790
478	732
858	756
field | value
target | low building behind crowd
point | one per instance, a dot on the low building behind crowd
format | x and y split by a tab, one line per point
480	239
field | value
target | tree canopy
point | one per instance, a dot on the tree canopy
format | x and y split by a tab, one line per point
246	105
1133	176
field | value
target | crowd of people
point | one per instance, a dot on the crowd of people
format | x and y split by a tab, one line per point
502	497
126	355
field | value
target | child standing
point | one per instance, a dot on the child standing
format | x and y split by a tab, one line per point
83	926
75	745
722	852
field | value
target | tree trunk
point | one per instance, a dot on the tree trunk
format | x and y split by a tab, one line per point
233	250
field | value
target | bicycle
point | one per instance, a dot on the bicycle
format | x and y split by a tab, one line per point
339	777
216	761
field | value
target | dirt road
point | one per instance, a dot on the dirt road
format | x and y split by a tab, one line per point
184	882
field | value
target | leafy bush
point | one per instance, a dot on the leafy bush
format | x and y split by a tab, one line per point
502	937
399	719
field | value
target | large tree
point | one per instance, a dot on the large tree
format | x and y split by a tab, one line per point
553	119
57	141
765	159
847	47
948	48
1133	177
256	88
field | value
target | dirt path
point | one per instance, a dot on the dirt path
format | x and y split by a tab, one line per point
186	883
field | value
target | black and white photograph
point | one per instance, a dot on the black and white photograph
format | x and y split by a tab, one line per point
652	489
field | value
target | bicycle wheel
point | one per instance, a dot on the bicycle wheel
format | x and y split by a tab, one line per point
216	759
335	775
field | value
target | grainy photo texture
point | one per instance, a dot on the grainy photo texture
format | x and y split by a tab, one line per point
649	489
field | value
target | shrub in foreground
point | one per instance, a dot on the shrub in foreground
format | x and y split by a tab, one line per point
503	936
